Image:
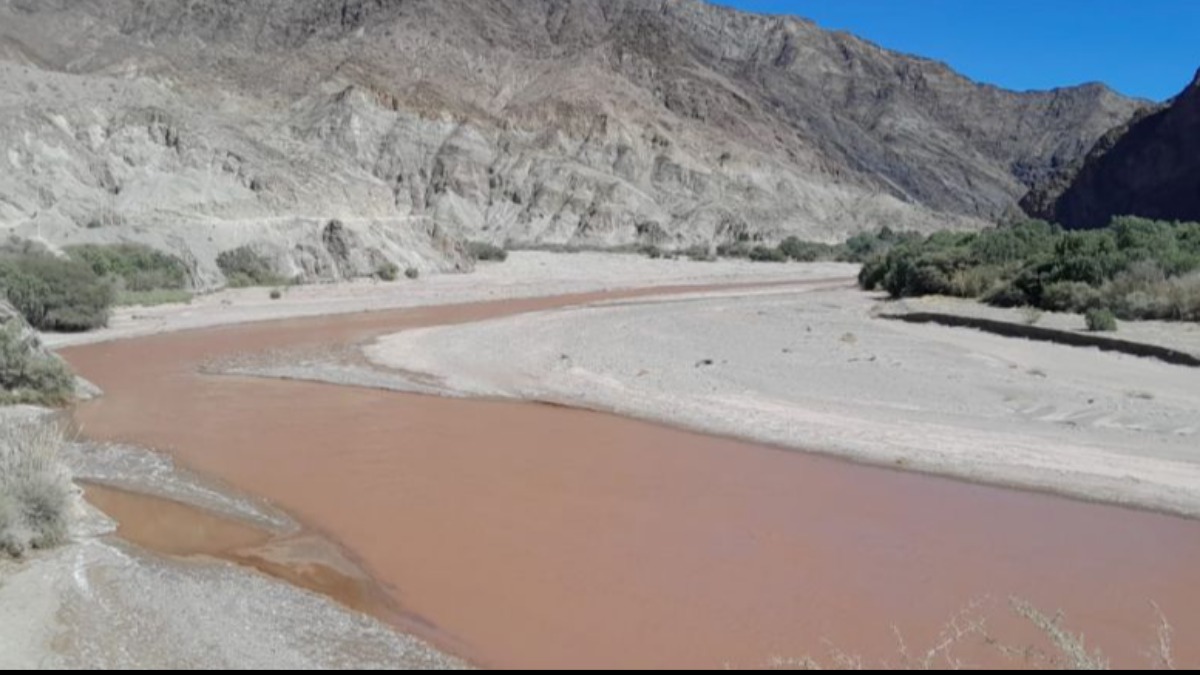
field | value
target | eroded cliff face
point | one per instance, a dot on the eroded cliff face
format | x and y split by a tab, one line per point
200	125
1149	167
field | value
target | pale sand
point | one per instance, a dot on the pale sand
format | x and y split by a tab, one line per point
526	274
813	370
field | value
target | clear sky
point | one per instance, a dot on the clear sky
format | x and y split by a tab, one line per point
1146	48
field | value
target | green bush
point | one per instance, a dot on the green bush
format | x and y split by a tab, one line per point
486	252
1100	321
276	294
767	254
388	272
412	273
243	267
1134	268
806	251
28	376
55	294
133	267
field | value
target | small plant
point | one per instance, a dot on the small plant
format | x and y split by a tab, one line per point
1101	321
486	252
388	272
276	294
35	488
1031	315
412	273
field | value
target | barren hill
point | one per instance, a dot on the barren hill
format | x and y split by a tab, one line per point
200	125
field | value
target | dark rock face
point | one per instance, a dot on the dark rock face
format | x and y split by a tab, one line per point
1149	168
595	122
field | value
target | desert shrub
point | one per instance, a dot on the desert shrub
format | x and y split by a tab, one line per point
739	249
872	274
486	252
700	253
388	271
243	267
767	254
807	251
1100	321
651	251
412	273
55	294
276	294
868	245
133	267
1070	296
28	376
36	492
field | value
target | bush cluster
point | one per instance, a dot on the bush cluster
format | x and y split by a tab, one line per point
1135	268
243	268
55	294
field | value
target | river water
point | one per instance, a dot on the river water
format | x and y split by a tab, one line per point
527	535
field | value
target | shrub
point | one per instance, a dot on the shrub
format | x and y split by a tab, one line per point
1133	268
1070	296
807	251
700	253
1101	321
767	254
388	272
738	249
276	294
36	492
133	267
651	251
412	273
55	294
486	252
243	267
29	376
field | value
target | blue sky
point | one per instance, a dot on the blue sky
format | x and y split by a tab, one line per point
1147	48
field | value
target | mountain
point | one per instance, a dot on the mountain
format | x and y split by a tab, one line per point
1148	167
202	125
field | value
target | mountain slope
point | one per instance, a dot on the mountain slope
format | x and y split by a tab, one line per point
1149	167
589	122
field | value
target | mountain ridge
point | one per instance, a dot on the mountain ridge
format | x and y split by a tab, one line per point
575	122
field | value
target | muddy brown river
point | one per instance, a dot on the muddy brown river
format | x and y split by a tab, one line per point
527	535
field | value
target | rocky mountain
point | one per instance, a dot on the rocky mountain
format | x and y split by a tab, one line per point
202	125
1148	167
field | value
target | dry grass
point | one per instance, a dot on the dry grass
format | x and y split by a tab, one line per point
1063	649
36	492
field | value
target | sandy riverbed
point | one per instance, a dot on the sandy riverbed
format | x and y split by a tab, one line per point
526	274
811	369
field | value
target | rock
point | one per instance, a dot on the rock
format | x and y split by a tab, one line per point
198	126
1149	167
